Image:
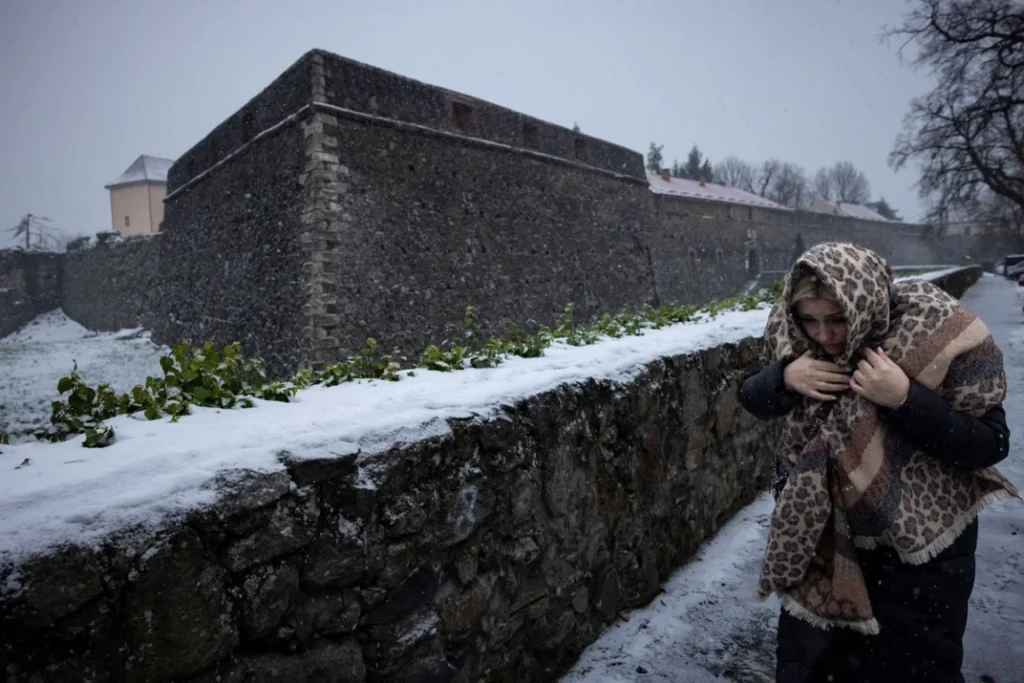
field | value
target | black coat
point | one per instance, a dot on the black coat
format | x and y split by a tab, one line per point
921	609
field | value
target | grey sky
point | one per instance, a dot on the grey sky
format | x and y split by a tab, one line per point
88	85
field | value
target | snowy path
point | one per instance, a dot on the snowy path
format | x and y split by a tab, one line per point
706	625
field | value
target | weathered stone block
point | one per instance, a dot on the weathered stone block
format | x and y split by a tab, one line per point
312	615
395	640
58	585
334	560
177	617
268	594
291	526
417	590
463	612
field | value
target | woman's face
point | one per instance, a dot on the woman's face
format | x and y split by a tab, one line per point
824	322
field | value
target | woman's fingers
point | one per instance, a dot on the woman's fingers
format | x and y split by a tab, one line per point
885	357
827	366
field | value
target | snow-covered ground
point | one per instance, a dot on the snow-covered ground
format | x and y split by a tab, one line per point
707	625
156	469
35	358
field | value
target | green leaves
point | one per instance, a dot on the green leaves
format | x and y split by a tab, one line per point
208	377
82	412
526	345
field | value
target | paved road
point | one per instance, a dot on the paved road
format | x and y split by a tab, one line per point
706	626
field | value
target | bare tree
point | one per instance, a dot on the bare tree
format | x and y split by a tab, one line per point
842	182
764	176
735	172
967	134
821	186
39	234
789	186
851	185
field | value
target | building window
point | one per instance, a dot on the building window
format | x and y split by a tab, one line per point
531	136
462	115
127	221
580	150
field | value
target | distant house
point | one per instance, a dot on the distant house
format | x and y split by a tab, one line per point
137	196
666	183
848	209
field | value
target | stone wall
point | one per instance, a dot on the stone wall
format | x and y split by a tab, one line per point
422	225
114	286
495	553
238	251
286	96
29	286
959	281
704	250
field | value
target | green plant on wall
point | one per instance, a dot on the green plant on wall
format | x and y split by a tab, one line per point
207	377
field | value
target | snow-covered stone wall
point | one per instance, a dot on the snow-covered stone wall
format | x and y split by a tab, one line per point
956	281
495	550
29	286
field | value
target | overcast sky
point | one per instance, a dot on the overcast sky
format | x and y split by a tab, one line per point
88	85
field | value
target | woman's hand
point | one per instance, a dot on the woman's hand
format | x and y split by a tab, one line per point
880	380
817	379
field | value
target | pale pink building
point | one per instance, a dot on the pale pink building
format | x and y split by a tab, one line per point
137	196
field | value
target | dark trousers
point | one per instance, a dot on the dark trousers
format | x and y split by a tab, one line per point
921	612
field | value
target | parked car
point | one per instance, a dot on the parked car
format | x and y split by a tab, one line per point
1009	263
1015	271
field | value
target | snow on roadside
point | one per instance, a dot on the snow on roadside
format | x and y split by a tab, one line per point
35	358
705	626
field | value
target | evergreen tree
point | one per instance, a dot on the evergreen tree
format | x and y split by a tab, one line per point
882	208
694	162
706	173
654	158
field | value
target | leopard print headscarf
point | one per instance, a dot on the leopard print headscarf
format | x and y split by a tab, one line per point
851	482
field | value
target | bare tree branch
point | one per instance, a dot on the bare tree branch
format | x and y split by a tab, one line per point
38	233
735	172
967	135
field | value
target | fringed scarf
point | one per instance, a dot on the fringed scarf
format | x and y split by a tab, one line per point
852	483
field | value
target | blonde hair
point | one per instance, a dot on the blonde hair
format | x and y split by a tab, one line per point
810	287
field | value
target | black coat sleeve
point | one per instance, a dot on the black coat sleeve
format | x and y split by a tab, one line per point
927	422
763	391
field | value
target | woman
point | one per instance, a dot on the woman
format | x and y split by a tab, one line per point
891	401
